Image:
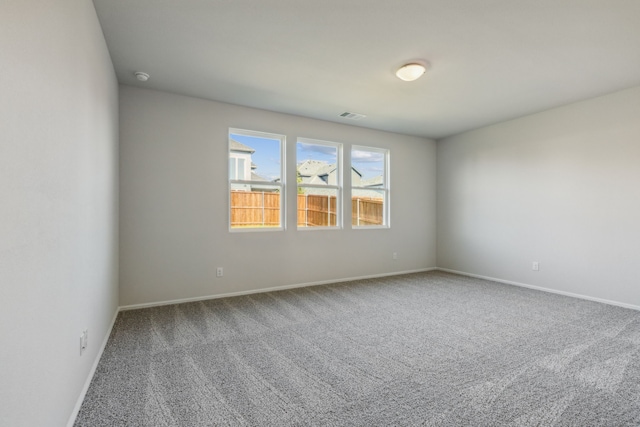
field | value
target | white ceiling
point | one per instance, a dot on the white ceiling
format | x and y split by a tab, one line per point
491	60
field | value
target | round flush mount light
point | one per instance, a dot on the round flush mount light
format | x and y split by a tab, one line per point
143	77
410	72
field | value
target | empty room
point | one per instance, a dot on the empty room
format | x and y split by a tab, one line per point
329	213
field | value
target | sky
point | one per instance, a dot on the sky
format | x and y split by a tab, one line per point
267	156
306	151
369	163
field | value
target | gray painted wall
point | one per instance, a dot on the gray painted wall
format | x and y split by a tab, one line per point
174	204
58	205
561	187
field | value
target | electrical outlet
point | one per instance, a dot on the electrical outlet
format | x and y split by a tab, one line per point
535	266
219	272
84	340
394	255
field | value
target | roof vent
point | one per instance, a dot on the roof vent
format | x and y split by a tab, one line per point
352	116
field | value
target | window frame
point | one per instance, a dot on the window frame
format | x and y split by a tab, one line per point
338	187
281	185
385	190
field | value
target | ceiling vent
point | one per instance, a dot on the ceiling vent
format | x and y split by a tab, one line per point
352	116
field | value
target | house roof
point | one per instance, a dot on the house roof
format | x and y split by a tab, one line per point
256	177
372	182
313	171
236	146
326	170
312	167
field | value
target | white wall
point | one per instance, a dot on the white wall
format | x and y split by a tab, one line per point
561	187
174	204
58	205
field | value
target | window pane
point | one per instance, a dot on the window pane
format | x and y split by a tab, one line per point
317	207
317	164
260	153
255	185
367	207
241	173
369	166
370	189
232	168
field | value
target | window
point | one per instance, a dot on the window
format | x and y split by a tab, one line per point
236	166
369	187
319	177
256	180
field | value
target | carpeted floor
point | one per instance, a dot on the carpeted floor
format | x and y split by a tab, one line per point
432	349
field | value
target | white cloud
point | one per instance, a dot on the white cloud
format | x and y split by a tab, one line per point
366	156
315	148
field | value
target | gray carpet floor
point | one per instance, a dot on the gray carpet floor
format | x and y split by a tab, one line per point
431	349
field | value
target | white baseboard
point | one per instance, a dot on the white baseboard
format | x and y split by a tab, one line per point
87	383
540	288
275	288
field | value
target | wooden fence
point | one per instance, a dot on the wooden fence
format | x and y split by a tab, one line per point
255	209
262	209
316	210
366	211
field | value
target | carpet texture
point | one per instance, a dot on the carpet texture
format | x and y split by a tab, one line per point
432	349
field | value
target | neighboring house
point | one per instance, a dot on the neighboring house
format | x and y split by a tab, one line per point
319	172
375	182
242	168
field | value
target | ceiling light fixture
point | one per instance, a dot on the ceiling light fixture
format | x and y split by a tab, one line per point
143	77
410	72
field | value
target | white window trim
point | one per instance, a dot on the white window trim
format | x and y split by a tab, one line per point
281	185
339	187
386	190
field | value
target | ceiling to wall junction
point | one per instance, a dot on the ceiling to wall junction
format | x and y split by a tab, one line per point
489	61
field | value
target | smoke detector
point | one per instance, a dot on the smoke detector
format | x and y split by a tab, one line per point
143	77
